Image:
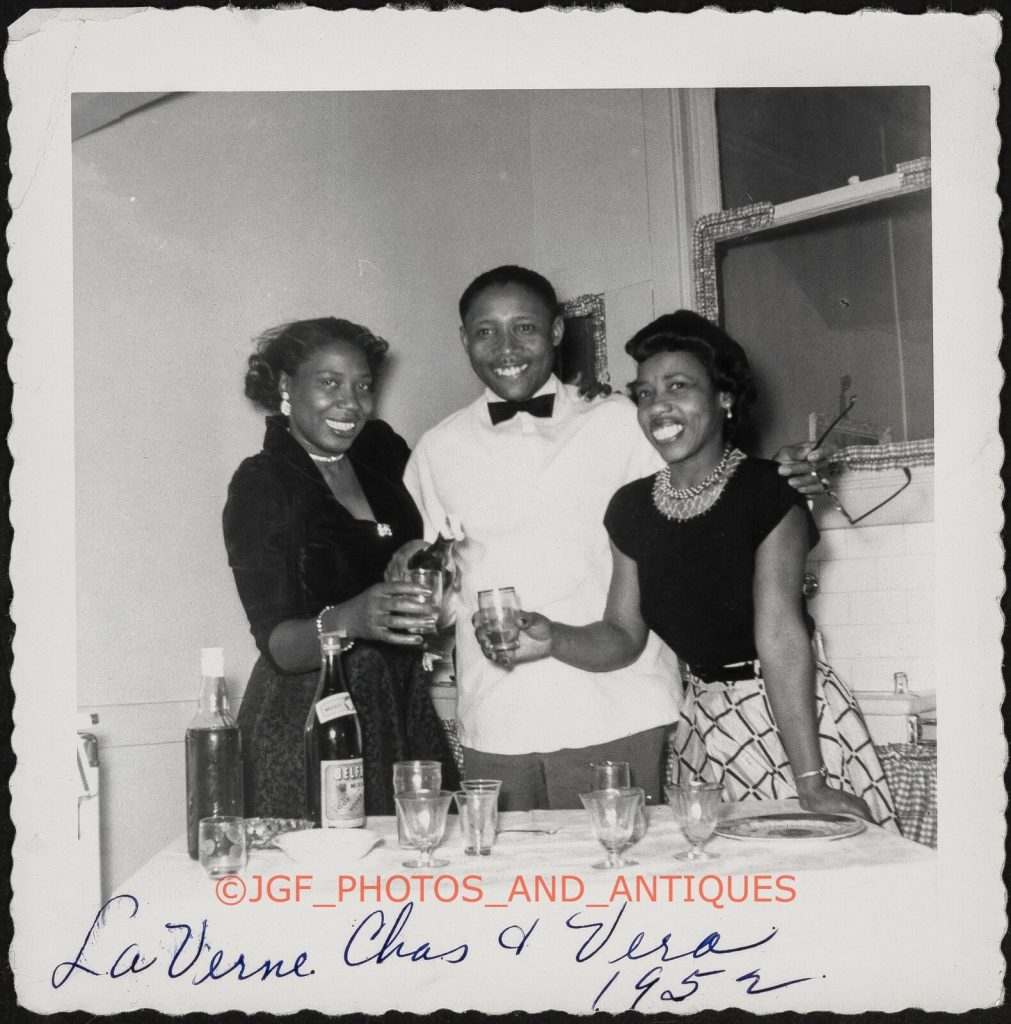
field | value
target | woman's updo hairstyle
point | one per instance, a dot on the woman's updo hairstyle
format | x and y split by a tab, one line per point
724	361
283	350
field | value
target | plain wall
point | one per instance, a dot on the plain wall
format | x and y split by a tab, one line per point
203	219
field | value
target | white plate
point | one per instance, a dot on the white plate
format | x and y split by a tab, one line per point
328	846
791	827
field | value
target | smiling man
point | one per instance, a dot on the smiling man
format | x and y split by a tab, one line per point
528	470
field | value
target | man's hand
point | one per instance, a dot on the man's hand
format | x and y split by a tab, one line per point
595	389
805	467
534	640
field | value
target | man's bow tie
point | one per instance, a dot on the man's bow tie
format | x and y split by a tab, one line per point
542	405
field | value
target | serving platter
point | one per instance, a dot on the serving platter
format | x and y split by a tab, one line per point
791	827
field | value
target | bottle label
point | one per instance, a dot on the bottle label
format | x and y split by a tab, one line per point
337	705
342	793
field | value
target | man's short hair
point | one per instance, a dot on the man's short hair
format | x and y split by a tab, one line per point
506	275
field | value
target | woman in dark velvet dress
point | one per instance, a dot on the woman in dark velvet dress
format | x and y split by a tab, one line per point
310	525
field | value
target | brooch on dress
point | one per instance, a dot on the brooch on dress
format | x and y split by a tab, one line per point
384	529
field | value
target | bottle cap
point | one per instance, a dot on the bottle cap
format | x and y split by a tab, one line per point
212	662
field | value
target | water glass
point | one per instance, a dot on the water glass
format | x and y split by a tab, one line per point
612	814
431	580
498	612
617	775
222	845
477	809
696	808
485	785
424	817
410	777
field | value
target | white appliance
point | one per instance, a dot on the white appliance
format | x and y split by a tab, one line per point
89	860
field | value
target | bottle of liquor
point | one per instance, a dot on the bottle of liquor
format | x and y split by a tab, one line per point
213	752
334	773
434	556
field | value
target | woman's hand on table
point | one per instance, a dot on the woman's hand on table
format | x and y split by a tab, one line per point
824	799
535	640
386	611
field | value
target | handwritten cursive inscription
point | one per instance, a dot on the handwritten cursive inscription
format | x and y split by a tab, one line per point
601	938
373	942
101	954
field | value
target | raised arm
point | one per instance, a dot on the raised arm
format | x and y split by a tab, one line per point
614	642
784	650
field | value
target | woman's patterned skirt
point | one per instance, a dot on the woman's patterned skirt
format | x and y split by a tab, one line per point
726	733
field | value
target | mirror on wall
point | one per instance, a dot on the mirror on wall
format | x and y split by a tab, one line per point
581	357
828	290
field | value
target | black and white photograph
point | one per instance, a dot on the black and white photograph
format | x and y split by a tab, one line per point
508	537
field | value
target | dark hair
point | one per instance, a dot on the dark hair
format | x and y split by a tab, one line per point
499	277
724	361
283	350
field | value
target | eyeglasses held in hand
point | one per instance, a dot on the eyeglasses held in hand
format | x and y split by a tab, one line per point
832	496
828	430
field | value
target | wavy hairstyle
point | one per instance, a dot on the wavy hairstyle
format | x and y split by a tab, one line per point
724	360
283	349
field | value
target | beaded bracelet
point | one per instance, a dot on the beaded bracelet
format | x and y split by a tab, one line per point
822	771
319	619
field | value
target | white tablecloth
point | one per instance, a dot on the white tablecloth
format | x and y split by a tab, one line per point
571	849
845	924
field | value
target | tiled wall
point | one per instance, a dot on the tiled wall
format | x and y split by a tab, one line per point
875	605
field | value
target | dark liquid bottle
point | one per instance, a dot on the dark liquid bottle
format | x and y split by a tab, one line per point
213	753
334	773
435	556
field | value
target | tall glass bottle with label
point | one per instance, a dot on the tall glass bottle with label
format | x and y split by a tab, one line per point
334	772
213	753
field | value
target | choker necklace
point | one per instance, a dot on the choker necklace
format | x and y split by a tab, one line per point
679	503
328	459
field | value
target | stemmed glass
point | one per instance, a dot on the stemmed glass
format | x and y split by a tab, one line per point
612	814
424	816
412	777
498	612
616	775
696	808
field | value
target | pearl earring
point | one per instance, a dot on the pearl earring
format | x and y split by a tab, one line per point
729	411
285	404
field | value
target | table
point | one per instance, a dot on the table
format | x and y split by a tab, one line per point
768	926
570	849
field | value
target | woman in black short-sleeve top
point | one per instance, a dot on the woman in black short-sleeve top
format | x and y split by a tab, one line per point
710	555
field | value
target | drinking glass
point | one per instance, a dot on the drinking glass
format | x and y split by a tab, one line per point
424	815
696	808
612	814
431	580
410	777
477	809
485	785
616	775
222	845
497	612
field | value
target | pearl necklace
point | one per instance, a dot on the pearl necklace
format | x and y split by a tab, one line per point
679	503
328	459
